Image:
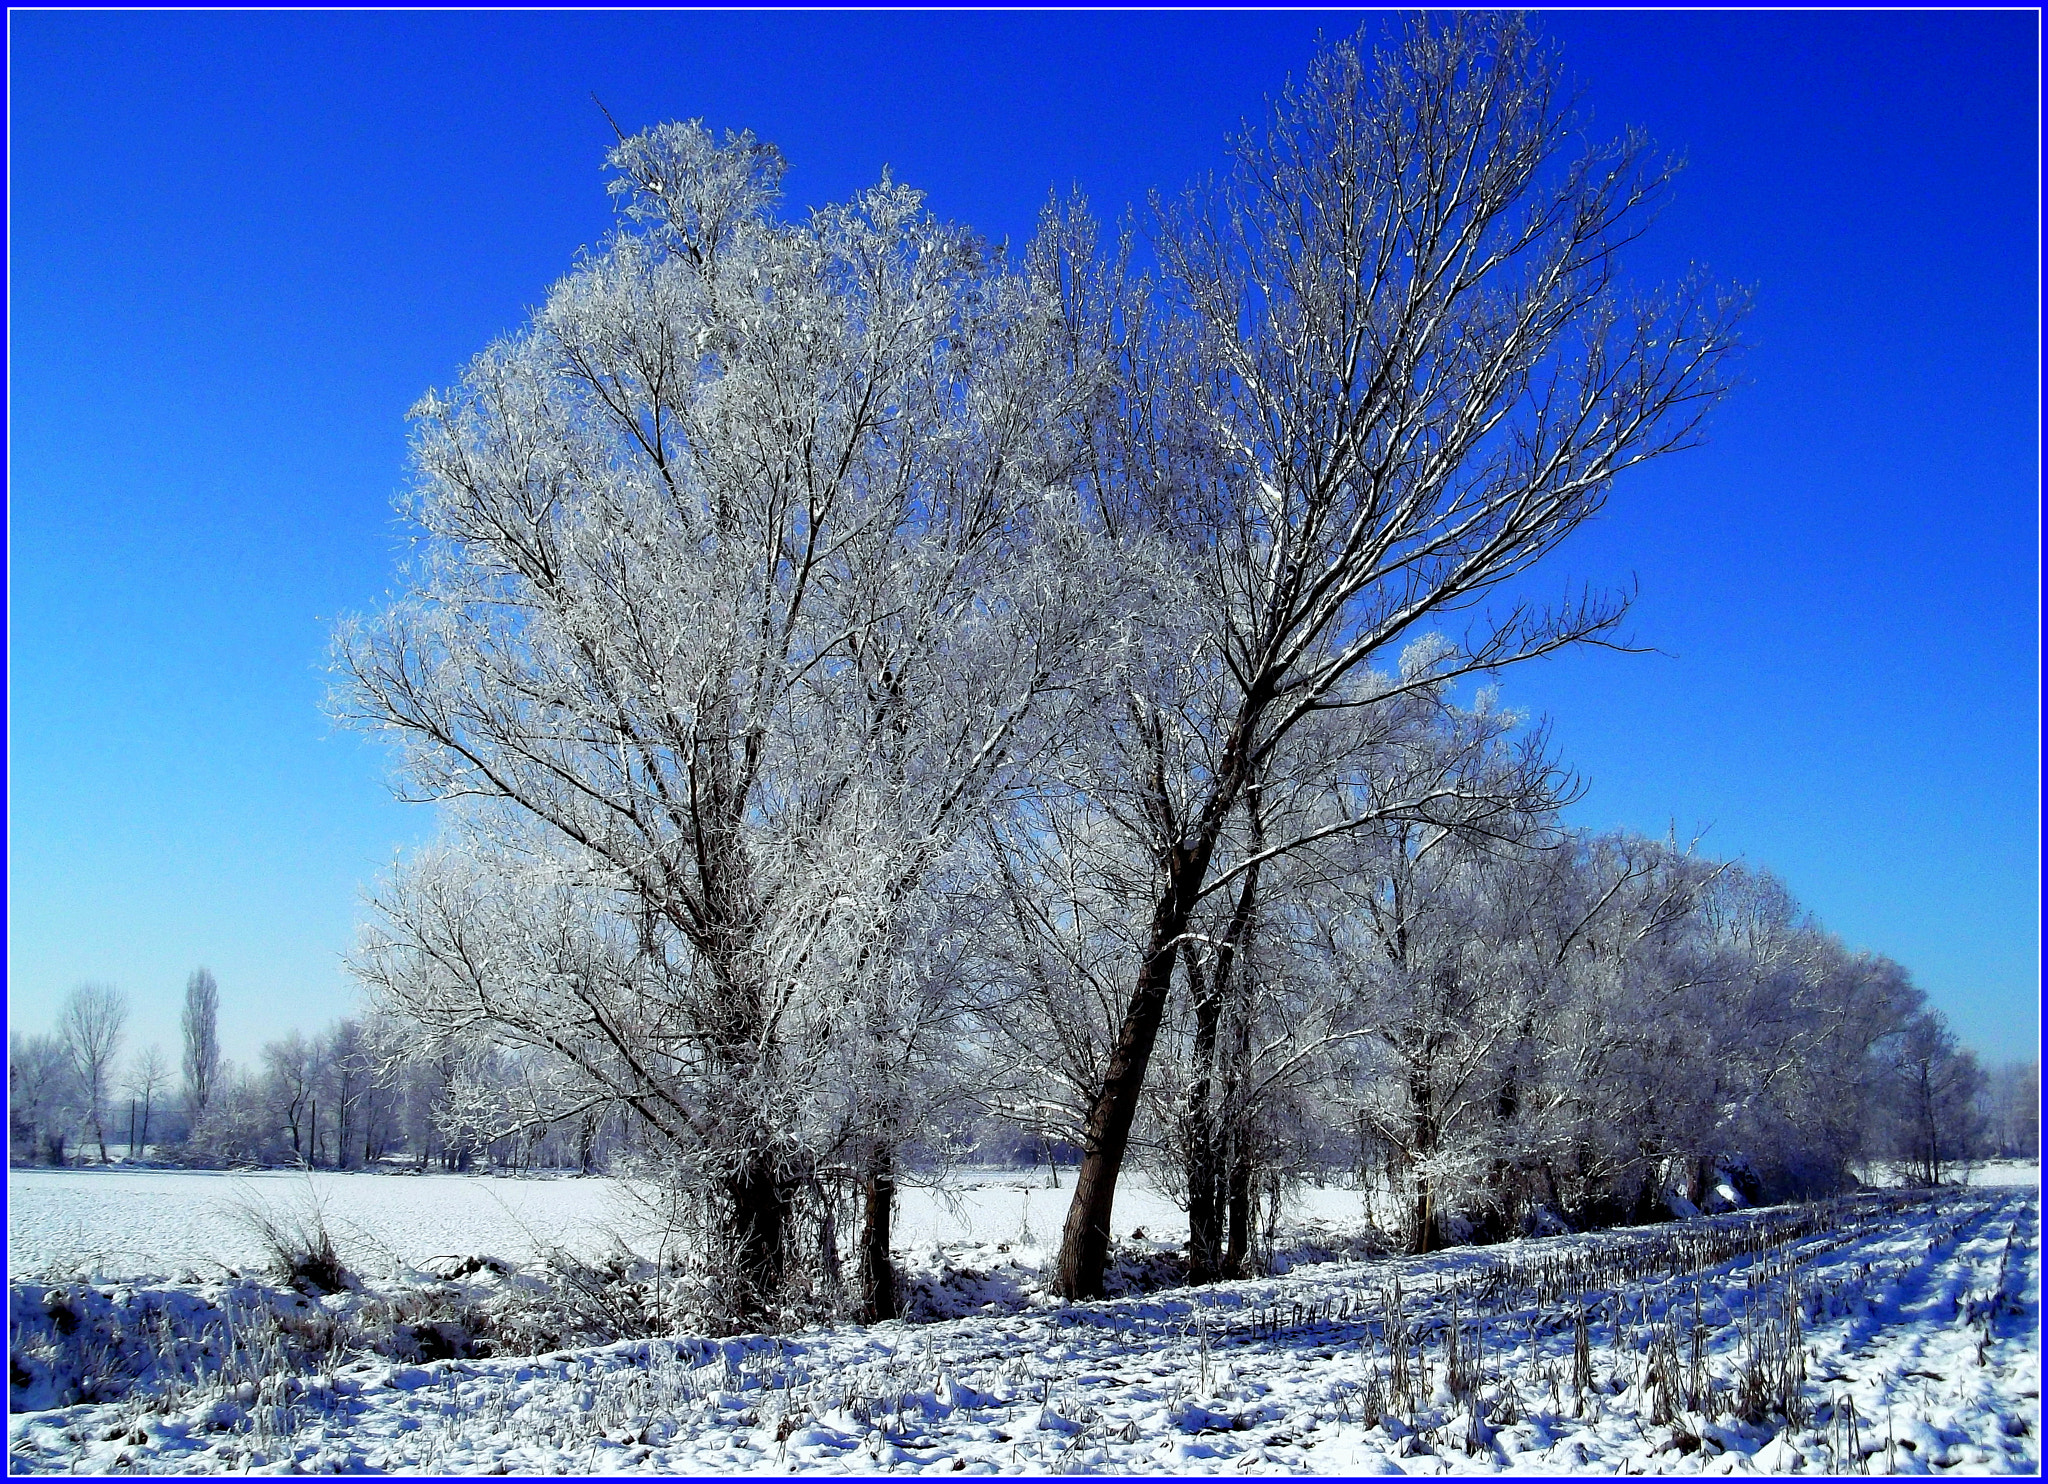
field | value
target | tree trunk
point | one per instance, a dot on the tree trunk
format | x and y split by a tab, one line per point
1204	1169
1550	1184
878	1299
1205	1206
1236	1257
1205	1173
759	1216
1422	1135
1084	1244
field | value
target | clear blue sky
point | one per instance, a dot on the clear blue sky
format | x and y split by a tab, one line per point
242	244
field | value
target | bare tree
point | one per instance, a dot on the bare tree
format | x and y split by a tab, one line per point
1396	373
347	1065
201	1027
148	1076
1936	1088
90	1028
293	1067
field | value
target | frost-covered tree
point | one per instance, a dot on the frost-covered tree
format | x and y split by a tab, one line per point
1448	997
1299	960
90	1027
2012	1109
1391	372
43	1101
200	1024
1935	1087
747	569
236	1128
354	1087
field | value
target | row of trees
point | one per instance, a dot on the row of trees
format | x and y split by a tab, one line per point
1445	1097
2012	1110
362	1092
863	674
1498	1036
70	1083
368	1091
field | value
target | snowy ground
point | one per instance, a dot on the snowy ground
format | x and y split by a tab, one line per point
1988	1173
1022	1206
2007	1172
117	1225
1900	1332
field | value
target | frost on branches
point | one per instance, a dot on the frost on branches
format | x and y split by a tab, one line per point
883	693
751	575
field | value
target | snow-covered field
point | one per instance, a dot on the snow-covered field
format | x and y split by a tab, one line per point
1022	1207
128	1224
118	1224
1991	1172
1917	1327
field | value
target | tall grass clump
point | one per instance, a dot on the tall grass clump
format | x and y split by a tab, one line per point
296	1239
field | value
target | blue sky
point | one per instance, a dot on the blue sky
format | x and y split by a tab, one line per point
242	244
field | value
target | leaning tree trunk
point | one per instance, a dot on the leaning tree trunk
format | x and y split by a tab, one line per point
1084	1243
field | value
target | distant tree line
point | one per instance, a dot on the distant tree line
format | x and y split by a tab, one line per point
361	1094
1445	1098
365	1092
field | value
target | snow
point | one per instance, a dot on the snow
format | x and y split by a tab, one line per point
126	1225
1920	1335
2005	1172
119	1224
1002	1205
1985	1173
